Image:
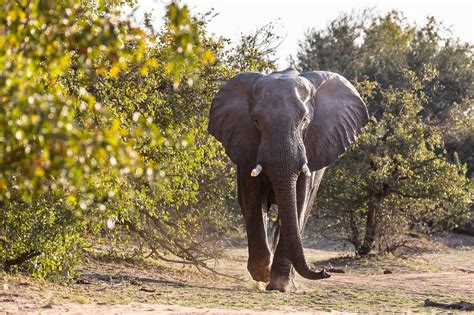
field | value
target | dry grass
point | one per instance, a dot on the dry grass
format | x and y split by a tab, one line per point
442	274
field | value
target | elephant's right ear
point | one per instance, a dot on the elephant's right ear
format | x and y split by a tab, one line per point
230	122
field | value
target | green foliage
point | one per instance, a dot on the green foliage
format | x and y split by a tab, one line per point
42	236
396	177
172	217
46	156
103	135
56	138
317	50
39	139
405	171
381	48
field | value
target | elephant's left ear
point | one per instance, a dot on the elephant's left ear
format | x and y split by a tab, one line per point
339	115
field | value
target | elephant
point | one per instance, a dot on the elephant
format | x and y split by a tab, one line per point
282	130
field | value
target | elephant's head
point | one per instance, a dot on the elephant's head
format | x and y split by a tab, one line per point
287	124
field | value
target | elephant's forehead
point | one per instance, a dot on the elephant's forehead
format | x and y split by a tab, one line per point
282	83
283	92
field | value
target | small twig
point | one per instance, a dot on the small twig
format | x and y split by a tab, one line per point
147	290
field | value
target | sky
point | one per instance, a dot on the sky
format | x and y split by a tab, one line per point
294	17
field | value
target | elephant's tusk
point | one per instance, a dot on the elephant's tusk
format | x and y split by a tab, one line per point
256	170
306	170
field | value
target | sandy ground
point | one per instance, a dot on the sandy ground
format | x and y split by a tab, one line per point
135	308
443	273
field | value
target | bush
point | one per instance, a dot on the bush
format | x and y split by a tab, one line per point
396	178
381	48
103	134
56	140
42	237
406	171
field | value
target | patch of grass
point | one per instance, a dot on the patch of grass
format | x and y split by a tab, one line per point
56	299
79	299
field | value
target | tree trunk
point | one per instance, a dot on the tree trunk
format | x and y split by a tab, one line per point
370	227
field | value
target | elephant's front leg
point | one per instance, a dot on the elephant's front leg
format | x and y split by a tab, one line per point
252	197
282	270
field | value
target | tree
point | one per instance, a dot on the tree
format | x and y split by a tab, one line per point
380	48
103	135
45	156
256	52
317	50
396	178
382	54
59	145
181	216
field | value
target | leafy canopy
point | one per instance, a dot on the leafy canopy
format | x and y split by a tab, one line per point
400	176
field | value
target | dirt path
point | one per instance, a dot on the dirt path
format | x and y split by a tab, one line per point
142	287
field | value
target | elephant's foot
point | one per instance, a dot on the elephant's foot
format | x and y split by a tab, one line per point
279	283
259	271
281	274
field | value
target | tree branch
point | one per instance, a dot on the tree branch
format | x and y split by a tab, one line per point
22	258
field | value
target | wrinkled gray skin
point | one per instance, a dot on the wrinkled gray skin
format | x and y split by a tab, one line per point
282	121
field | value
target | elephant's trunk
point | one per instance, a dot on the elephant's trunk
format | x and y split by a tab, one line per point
283	156
285	192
